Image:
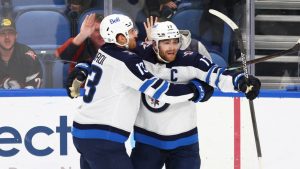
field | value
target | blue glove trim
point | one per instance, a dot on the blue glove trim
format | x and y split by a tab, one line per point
209	73
236	79
200	89
84	66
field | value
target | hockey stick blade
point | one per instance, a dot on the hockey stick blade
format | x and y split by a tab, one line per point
224	18
238	36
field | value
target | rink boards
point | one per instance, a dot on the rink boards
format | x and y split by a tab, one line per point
35	130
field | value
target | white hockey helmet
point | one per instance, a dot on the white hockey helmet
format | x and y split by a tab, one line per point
115	24
162	31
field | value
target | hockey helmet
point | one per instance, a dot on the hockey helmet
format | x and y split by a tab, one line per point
162	31
115	24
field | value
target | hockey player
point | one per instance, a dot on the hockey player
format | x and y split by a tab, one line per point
111	101
166	134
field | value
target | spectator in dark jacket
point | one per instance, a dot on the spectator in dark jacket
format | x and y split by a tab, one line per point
19	65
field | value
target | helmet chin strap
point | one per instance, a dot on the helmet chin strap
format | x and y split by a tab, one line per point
159	57
126	45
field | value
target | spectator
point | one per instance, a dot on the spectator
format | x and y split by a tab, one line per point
77	6
19	65
6	8
156	8
84	46
163	9
74	9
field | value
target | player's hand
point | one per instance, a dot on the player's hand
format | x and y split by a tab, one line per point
148	26
250	88
202	90
88	25
76	78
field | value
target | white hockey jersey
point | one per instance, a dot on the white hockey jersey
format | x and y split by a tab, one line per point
112	95
168	126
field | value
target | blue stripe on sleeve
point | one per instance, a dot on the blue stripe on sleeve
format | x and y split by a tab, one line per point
165	144
237	79
218	77
209	73
98	134
84	66
146	84
160	91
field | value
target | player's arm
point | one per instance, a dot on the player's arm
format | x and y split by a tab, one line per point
138	77
226	80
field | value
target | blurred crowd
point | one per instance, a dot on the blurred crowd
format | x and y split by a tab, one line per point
85	39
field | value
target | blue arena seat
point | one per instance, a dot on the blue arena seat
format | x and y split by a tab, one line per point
37	2
83	15
218	59
43	30
95	10
19	6
188	19
59	74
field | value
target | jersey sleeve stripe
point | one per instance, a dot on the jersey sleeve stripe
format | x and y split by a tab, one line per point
146	84
161	90
209	73
218	77
237	78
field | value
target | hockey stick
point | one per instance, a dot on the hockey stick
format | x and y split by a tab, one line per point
239	39
295	48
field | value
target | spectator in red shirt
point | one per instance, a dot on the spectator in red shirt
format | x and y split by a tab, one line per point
85	45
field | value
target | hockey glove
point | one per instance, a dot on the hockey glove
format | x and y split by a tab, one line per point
202	90
250	88
76	78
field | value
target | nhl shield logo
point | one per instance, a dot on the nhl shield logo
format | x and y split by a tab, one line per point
153	104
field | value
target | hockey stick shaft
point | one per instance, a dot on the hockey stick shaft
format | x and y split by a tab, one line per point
295	48
239	39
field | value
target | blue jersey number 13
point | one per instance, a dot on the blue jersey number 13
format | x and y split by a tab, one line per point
92	83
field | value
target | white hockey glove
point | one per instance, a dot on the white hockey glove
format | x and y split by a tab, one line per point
76	78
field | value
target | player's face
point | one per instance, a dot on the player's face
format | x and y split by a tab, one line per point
7	39
95	37
132	38
168	49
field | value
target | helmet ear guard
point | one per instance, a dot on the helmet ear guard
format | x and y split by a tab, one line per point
113	25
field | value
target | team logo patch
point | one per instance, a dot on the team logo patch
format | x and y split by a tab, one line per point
128	52
146	44
187	53
31	54
153	104
6	22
